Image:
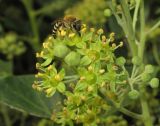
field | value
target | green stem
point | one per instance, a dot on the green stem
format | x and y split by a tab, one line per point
155	54
70	80
145	112
34	26
153	28
145	109
142	31
118	107
135	14
128	29
129	113
71	77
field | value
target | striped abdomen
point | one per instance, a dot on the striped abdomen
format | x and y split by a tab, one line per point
56	26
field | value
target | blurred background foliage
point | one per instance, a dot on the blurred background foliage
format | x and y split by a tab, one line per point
24	25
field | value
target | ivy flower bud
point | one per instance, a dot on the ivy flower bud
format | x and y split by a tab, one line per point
136	60
107	12
134	94
120	61
154	83
100	31
149	69
145	77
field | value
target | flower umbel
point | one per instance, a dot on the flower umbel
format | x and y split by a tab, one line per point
82	66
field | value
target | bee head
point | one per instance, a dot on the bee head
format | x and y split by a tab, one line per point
77	25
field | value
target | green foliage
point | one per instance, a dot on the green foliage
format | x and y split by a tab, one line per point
5	69
17	93
84	81
11	46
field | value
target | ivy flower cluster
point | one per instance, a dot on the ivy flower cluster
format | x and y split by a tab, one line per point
79	67
11	46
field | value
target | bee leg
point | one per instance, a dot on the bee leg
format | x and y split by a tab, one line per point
79	34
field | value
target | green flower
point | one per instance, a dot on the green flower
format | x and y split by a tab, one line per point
78	67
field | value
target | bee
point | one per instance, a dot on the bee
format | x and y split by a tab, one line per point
67	23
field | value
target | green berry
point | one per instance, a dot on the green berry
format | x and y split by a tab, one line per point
136	60
149	69
145	77
134	94
154	83
72	59
61	50
107	12
121	61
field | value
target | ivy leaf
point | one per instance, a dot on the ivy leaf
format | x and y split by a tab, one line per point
17	92
5	69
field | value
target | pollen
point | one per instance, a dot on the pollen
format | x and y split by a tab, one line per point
71	35
39	74
100	31
104	38
57	77
45	45
112	34
50	37
63	33
42	54
50	67
101	71
92	29
38	65
83	30
84	25
90	88
37	55
49	90
82	78
90	68
121	44
34	86
114	45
